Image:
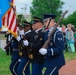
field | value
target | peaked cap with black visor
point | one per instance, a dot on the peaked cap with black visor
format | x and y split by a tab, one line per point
48	16
26	24
36	19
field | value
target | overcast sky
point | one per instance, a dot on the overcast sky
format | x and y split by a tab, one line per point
21	3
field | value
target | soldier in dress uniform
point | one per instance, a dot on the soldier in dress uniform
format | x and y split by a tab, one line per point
15	56
45	24
8	39
24	66
15	53
54	58
35	43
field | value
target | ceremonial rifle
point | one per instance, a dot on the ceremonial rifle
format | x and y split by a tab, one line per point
54	29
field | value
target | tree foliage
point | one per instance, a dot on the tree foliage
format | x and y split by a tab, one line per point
20	16
40	7
70	19
21	19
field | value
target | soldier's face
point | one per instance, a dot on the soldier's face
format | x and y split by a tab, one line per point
45	23
27	28
52	23
33	27
37	25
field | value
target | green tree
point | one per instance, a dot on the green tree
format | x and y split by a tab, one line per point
21	19
70	19
20	16
40	7
63	22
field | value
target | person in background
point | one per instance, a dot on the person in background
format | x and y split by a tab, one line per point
73	28
64	35
75	38
70	39
8	39
59	28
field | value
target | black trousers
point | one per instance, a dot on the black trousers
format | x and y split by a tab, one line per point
52	70
9	50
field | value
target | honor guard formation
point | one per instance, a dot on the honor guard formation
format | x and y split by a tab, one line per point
33	50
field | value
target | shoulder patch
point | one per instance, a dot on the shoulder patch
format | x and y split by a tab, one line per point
59	33
60	39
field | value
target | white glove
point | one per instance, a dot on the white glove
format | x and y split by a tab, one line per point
18	38
43	51
21	32
25	42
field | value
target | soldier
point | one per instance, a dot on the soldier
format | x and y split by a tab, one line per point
24	67
54	58
15	53
45	24
15	56
35	43
8	39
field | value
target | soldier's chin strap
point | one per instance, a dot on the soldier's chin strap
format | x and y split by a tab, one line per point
48	23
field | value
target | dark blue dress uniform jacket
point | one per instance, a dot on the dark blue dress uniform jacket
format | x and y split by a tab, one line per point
55	56
25	50
36	41
15	43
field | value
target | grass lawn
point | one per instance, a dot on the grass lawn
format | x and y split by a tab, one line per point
2	36
69	56
5	61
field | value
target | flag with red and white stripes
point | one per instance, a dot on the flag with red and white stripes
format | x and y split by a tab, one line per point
10	19
5	19
12	27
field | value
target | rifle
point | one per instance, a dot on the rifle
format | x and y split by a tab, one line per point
6	47
54	29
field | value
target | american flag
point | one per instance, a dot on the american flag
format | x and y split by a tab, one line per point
9	20
5	19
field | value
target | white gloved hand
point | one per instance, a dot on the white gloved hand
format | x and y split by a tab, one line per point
43	51
18	38
21	32
25	42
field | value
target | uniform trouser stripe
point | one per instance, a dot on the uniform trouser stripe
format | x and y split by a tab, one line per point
25	67
53	71
14	67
